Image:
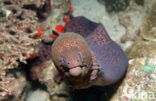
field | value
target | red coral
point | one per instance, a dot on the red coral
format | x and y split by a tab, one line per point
39	32
32	56
53	35
60	28
69	3
66	19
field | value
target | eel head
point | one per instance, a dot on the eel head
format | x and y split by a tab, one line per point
72	57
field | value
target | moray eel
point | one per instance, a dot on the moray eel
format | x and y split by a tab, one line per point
85	55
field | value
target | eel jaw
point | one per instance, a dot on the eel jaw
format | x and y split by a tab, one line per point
76	71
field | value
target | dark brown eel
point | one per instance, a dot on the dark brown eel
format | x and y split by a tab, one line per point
85	55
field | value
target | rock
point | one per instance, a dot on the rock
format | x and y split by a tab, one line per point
140	80
139	2
38	95
46	73
115	5
141	49
148	31
13	85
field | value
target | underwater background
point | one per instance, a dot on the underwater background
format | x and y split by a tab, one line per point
28	28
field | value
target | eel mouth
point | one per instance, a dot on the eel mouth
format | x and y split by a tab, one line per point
76	71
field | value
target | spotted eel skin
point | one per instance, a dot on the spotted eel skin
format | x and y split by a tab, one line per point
103	61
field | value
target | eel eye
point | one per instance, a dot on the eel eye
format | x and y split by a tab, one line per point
63	61
80	55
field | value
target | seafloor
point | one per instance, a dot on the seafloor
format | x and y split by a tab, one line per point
27	31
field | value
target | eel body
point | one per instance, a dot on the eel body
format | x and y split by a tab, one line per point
106	64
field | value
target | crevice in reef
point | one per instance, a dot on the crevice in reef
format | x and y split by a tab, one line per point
7	3
30	7
42	12
43	55
35	84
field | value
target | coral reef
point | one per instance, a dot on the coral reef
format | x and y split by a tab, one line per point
29	27
140	80
13	86
24	25
17	43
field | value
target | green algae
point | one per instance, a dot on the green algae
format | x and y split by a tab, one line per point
149	67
